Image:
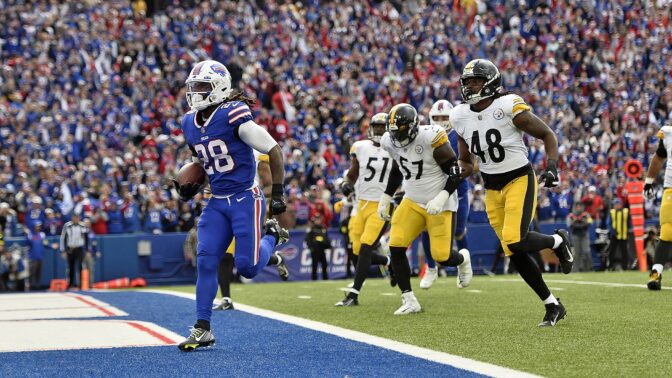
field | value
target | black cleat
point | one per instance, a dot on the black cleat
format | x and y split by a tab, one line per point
273	228
225	304
565	252
655	280
283	270
348	301
553	314
198	338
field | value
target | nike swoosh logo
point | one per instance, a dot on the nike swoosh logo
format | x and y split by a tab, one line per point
200	337
239	199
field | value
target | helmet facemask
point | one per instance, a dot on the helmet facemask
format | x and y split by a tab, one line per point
377	127
440	120
468	86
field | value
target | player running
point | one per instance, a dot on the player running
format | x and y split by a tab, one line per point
439	115
427	165
222	135
490	124
365	227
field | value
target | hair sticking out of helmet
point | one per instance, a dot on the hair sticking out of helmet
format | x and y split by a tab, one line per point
480	79
439	114
402	124
209	83
377	127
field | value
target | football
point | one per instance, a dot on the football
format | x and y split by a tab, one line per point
191	173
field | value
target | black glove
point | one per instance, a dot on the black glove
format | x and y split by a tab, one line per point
347	188
278	205
398	196
186	191
550	177
454	178
648	190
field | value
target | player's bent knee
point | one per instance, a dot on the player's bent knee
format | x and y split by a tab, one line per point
245	267
207	264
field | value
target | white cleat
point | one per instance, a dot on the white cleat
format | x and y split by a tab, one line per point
430	276
409	304
464	271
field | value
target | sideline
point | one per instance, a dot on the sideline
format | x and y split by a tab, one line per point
594	283
408	349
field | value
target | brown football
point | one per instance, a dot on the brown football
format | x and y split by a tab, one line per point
191	173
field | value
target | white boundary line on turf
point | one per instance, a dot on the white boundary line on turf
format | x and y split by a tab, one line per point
594	283
408	349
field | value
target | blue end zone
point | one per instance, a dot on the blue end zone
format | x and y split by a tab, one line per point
247	345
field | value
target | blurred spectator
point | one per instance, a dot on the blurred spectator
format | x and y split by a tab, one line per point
153	218
52	223
37	245
98	220
477	212
186	220
35	213
619	225
579	222
115	220
13	272
593	203
563	201
318	243
544	206
169	219
131	213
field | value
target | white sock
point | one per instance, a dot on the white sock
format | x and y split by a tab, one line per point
558	241
226	299
550	299
658	268
354	291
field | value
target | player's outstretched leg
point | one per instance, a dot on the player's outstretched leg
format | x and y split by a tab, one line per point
431	273
409	304
366	258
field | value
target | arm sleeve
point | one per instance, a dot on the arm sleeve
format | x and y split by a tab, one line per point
661	151
256	137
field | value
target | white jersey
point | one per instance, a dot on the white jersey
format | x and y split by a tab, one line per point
665	134
374	169
423	177
491	134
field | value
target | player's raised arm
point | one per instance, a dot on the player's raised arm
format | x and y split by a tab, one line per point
531	124
258	138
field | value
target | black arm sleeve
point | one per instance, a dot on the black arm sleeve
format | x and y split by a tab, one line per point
395	179
453	182
193	151
661	151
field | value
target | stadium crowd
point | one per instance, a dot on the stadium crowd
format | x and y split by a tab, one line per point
93	91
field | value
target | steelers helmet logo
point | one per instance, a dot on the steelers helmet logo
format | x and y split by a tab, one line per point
418	149
498	114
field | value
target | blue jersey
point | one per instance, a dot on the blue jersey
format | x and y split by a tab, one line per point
463	188
228	161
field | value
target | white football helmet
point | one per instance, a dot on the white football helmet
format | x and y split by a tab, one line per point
209	83
378	119
440	109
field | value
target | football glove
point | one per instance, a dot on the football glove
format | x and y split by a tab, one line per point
550	178
648	188
435	205
278	205
347	188
398	196
454	178
384	207
186	191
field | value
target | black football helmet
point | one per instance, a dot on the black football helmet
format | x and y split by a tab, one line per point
485	69
377	127
402	124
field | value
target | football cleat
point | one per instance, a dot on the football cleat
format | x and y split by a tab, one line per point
464	271
409	304
348	301
280	234
655	280
565	252
283	270
198	338
225	304
430	276
553	314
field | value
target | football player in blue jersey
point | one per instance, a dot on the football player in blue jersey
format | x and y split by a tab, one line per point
439	115
222	134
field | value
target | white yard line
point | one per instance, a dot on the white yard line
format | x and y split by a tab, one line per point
408	349
576	282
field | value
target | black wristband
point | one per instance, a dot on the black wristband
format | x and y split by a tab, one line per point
277	190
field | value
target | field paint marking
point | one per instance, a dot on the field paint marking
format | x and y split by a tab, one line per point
408	349
389	294
304	297
474	291
157	335
90	303
556	288
595	283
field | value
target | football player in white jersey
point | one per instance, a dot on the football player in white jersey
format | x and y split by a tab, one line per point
366	228
490	124
664	247
428	167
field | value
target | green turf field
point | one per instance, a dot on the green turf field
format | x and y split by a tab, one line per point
609	330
